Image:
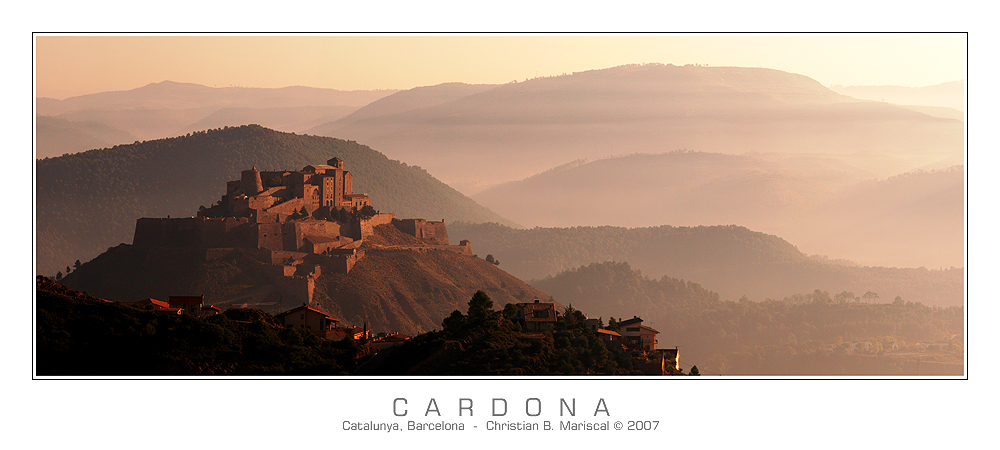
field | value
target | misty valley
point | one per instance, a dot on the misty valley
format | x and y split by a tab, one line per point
636	220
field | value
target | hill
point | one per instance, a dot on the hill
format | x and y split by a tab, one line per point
59	136
731	260
88	202
403	101
389	289
824	207
169	109
816	333
949	95
519	129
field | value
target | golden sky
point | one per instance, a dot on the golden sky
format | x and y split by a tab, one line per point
71	65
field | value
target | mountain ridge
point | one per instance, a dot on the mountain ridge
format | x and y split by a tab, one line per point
526	127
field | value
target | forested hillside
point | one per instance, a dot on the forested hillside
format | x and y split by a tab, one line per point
804	334
731	260
88	202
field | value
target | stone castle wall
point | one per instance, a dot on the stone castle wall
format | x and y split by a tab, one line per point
366	228
195	232
434	231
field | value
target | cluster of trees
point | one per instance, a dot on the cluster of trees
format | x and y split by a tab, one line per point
80	335
485	341
799	334
731	260
90	201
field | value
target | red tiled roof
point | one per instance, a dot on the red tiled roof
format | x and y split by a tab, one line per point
211	307
151	301
608	332
645	328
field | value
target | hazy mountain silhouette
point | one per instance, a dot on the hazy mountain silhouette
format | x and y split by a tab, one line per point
946	95
731	260
824	206
169	108
519	129
403	101
59	136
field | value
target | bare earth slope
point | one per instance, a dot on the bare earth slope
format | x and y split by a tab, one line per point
389	290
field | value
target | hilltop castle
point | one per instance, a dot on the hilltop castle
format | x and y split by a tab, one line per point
318	188
291	222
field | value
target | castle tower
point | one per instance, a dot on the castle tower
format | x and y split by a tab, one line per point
250	182
337	163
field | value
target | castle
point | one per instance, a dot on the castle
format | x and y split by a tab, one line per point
292	223
317	188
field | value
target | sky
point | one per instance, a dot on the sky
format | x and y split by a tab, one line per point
72	65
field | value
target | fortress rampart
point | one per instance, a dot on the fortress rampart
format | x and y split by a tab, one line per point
434	231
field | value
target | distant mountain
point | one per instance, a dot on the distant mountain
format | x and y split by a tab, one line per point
389	290
822	205
519	129
283	118
90	201
169	109
945	95
59	136
178	96
731	260
403	101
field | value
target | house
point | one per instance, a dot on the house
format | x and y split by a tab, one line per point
608	335
191	304
312	319
636	335
156	304
210	310
386	340
355	333
537	316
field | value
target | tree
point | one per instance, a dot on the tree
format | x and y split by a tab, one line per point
367	212
480	307
58	275
491	260
898	301
844	297
510	311
870	296
694	371
453	322
77	264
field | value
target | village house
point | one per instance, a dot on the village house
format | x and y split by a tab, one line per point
312	319
603	334
190	304
537	316
636	335
156	304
